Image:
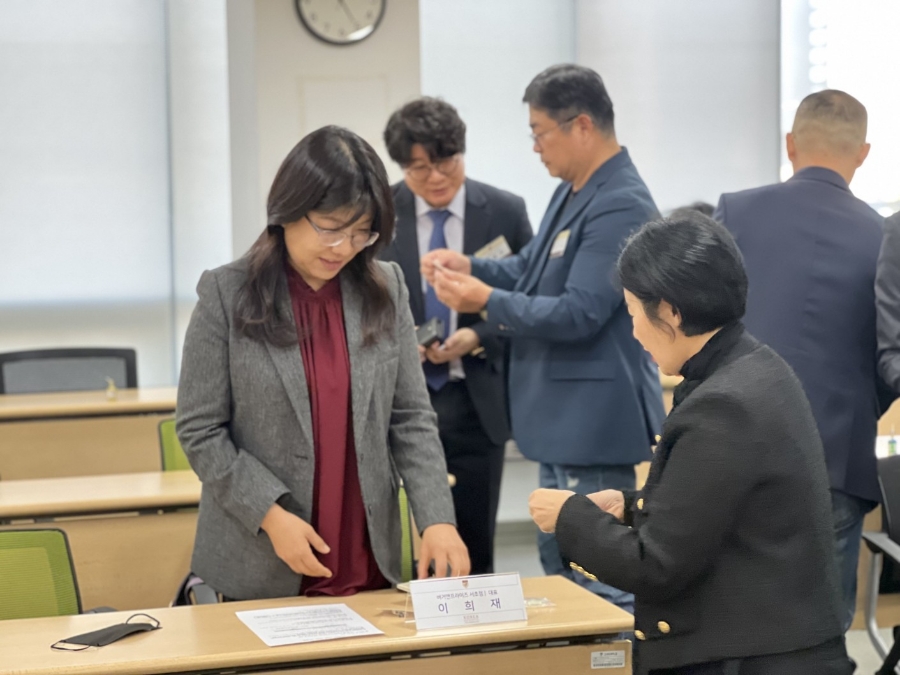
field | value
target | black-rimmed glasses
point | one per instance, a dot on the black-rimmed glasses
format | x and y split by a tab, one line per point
445	166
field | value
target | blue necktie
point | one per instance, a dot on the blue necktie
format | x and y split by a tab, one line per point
437	375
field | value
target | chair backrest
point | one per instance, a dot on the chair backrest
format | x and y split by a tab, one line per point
75	369
889	480
172	454
36	575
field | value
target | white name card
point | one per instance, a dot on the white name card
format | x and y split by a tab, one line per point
467	601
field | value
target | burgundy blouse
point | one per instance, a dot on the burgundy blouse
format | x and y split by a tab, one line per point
338	515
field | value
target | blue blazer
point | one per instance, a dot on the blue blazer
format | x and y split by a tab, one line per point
811	248
582	391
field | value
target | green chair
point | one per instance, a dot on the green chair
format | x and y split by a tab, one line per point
37	577
172	454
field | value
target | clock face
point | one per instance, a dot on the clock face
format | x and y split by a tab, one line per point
341	22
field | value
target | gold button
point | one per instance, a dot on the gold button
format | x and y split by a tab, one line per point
640	635
640	503
664	627
658	438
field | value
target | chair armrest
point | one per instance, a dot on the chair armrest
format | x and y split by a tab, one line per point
880	542
100	610
204	595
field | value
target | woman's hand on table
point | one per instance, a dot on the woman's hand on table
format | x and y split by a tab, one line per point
545	505
441	543
294	541
611	501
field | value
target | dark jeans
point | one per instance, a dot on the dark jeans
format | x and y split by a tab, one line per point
848	513
828	658
583	480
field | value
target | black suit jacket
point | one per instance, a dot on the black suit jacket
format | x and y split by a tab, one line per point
490	213
730	549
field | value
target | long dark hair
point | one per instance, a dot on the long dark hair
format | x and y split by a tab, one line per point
329	169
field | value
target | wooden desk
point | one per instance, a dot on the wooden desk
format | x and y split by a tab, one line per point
211	639
81	433
131	535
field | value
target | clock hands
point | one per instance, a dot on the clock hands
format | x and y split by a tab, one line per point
346	9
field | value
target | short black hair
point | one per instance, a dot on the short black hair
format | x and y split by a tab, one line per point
693	263
431	122
566	91
705	208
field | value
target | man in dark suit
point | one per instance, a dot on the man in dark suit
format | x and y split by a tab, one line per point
811	248
437	206
887	296
585	398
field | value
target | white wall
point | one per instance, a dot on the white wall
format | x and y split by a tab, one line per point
200	149
480	56
695	87
303	84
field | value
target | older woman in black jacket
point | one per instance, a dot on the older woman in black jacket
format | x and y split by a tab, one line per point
728	547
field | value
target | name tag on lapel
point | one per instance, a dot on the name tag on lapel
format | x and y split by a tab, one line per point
559	244
494	250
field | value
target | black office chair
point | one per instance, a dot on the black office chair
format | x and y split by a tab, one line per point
884	543
71	369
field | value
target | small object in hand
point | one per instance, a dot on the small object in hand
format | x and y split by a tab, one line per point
430	332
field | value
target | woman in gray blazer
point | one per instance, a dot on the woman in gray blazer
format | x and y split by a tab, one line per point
301	399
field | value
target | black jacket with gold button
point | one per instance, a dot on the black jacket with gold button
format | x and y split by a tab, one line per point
728	548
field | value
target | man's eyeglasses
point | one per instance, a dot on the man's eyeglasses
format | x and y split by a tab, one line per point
445	166
536	138
332	238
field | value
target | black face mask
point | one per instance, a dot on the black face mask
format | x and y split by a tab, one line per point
105	636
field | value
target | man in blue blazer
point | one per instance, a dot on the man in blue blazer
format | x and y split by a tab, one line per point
811	249
585	398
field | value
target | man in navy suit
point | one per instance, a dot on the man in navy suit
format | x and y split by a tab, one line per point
438	207
585	398
810	249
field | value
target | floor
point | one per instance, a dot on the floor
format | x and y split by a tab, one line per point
516	551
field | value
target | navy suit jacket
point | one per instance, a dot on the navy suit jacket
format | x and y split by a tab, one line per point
810	248
887	298
582	390
490	213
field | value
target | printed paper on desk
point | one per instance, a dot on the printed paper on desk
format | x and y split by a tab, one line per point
467	601
495	250
310	623
559	244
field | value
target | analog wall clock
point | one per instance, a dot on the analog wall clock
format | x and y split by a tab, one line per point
340	22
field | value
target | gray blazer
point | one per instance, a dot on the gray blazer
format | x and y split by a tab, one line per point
244	420
887	302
